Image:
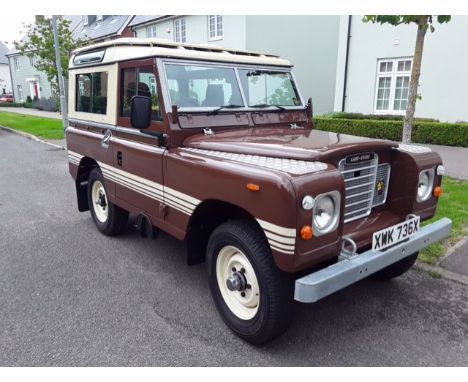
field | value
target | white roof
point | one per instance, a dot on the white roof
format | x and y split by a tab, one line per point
129	48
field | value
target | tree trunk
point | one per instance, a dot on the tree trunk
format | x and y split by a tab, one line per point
415	72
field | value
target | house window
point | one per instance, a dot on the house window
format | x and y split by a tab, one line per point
20	93
99	17
215	27
392	87
17	64
91	93
179	30
85	20
151	31
32	60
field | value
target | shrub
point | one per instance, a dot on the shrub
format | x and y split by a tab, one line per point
47	104
378	117
28	99
12	104
449	134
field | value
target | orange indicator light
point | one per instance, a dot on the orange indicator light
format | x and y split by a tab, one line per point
438	192
306	232
253	187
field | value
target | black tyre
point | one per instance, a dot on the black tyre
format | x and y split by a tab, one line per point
396	269
109	218
252	295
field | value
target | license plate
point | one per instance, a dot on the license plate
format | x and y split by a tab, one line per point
394	234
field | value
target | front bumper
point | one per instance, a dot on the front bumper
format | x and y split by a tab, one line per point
320	284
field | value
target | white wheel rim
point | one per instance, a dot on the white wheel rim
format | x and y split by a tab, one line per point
100	203
244	304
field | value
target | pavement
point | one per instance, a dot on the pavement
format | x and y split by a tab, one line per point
33	112
71	296
455	160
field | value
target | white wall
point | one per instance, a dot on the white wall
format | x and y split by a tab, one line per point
310	43
5	79
444	73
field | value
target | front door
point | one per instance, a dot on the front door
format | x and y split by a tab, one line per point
138	158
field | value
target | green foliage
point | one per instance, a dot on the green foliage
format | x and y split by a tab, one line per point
449	134
39	43
407	19
12	104
382	117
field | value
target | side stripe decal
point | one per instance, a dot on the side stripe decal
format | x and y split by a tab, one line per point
281	239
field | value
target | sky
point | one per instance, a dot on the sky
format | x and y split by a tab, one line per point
11	26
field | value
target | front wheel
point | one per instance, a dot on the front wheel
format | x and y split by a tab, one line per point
109	218
252	295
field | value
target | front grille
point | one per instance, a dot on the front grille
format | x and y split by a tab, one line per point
360	183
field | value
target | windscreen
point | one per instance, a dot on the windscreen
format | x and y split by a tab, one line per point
266	87
202	86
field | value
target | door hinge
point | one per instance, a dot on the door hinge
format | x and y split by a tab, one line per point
162	210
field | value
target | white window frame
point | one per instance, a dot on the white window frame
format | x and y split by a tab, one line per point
17	64
151	31
393	74
32	60
217	32
99	17
19	88
85	20
180	34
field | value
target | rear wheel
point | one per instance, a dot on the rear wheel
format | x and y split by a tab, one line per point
109	218
396	269
252	295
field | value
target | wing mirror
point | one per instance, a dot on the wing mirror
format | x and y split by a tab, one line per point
140	112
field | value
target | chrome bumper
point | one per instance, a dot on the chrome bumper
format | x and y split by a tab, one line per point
320	284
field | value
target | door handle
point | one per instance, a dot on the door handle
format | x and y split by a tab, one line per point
106	139
119	158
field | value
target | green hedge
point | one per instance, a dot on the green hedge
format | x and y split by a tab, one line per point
448	134
16	104
379	117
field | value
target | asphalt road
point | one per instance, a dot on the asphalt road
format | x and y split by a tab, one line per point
70	296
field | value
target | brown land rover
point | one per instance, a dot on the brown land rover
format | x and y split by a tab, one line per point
217	147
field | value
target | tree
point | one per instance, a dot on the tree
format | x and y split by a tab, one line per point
424	22
39	43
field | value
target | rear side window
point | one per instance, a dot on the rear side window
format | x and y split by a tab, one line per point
91	89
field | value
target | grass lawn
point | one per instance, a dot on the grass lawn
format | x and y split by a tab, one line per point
454	205
41	127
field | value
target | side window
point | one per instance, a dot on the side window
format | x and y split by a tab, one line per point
139	81
91	91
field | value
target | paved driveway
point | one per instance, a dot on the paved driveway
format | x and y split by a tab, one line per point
70	296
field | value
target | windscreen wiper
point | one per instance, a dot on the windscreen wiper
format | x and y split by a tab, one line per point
230	106
264	105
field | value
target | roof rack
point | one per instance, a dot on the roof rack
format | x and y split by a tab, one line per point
153	42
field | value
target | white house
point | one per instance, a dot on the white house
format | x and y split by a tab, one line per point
374	67
5	78
309	42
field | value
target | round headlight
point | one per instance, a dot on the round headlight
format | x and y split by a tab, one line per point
324	213
426	179
308	202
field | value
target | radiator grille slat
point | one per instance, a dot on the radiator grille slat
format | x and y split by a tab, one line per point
360	179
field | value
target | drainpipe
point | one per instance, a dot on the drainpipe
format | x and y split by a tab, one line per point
345	82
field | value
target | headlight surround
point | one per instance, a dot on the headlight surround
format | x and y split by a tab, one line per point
326	213
425	185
